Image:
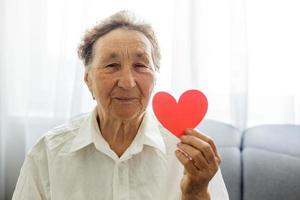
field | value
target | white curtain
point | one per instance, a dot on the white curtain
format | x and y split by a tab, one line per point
244	55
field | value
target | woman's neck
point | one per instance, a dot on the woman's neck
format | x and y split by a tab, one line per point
119	134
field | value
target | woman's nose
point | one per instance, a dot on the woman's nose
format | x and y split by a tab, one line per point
126	80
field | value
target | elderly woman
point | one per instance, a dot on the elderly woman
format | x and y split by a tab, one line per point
119	151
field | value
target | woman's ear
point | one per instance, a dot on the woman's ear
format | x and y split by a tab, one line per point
87	80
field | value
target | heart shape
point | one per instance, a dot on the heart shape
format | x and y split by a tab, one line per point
176	117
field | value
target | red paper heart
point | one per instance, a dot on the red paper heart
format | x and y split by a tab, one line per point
176	117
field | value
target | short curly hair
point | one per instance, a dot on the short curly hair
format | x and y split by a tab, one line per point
122	19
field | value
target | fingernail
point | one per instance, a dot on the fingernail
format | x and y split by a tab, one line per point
188	131
183	137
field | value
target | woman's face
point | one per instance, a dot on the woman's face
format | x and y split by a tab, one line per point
122	74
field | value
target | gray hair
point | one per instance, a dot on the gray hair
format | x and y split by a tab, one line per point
121	19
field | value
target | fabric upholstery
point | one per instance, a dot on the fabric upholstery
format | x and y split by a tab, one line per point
228	140
271	162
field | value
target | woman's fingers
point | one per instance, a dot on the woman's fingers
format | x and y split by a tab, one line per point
206	144
186	162
197	156
200	146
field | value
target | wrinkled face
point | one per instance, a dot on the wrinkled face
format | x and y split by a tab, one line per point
122	74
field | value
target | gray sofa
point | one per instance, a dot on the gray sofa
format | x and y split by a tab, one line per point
260	163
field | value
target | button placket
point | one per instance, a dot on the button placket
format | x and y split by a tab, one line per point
123	181
116	182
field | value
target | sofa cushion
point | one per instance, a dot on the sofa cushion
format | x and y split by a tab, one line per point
231	171
228	140
271	162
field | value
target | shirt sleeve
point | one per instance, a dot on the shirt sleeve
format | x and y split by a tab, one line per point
33	181
217	188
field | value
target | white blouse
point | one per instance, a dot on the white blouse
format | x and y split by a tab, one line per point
74	162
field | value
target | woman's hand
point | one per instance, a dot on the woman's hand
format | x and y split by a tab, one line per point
201	160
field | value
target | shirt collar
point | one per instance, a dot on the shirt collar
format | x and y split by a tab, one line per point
85	132
148	134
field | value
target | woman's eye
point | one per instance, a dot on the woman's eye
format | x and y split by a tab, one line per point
140	65
112	65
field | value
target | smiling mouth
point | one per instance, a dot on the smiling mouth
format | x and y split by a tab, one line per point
125	99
